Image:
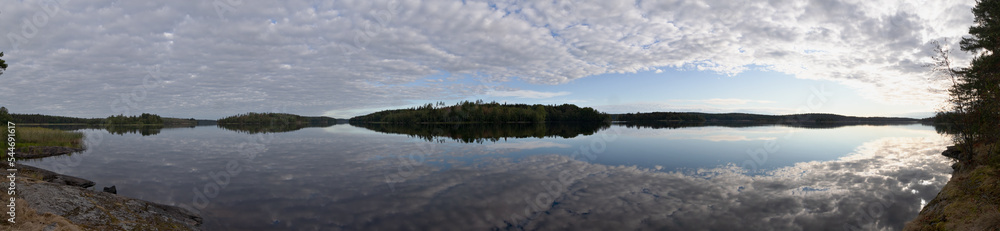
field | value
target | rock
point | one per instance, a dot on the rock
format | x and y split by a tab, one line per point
111	190
105	211
952	152
40	151
51	227
49	176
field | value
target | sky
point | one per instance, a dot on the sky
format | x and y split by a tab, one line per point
211	59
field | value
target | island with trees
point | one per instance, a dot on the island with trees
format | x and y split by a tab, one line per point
482	112
256	122
257	118
485	132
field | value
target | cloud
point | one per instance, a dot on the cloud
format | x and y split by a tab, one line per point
715	134
529	94
526	145
723	101
718	138
90	57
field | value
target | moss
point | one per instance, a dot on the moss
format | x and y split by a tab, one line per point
976	192
33	175
970	200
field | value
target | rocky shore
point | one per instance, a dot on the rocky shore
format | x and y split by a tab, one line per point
970	200
63	199
40	152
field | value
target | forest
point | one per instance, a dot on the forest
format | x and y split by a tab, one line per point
48	119
481	112
269	118
144	119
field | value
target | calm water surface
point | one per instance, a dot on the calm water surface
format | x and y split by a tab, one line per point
603	178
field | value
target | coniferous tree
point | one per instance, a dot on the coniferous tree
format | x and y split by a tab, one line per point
3	64
483	112
4	118
977	91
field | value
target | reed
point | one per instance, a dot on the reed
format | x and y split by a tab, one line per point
35	136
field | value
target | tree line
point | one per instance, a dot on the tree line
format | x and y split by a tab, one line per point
48	119
975	91
144	119
270	118
485	132
659	116
482	112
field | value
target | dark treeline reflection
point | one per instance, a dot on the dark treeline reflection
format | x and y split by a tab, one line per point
144	130
676	125
947	128
491	132
273	128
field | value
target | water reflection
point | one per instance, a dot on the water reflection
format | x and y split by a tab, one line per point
479	133
144	130
741	124
254	129
272	128
881	186
315	180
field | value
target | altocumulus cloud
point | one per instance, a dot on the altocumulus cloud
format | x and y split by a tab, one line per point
313	56
527	94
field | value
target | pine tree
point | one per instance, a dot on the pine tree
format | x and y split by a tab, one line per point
3	64
978	91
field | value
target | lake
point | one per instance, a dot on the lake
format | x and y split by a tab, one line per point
525	177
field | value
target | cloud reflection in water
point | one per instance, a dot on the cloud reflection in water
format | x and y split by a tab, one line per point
880	186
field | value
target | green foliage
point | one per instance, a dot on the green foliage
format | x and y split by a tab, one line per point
277	119
254	122
35	136
47	119
144	119
3	64
661	116
261	119
480	112
4	118
179	122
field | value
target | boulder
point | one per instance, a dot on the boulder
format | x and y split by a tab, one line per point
111	190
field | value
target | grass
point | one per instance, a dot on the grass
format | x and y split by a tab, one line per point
35	136
27	218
